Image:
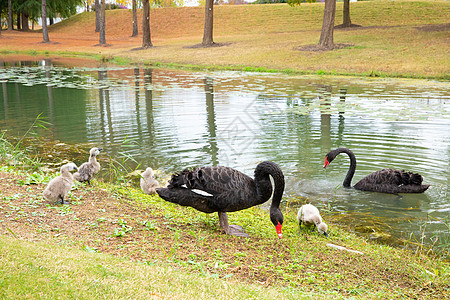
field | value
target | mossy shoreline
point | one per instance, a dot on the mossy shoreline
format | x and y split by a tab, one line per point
125	61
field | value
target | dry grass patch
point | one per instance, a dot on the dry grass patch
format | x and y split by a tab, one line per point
391	41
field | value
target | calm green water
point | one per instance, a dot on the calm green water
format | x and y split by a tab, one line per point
179	119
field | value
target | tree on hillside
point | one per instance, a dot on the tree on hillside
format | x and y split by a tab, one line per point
97	15
45	38
24	7
326	36
208	30
346	16
146	36
135	23
10	15
102	31
346	22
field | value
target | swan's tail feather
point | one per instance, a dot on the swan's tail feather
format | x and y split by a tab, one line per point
190	179
178	180
410	178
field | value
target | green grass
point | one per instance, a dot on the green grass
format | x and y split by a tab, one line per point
47	271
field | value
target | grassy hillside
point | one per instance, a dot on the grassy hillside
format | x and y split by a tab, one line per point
229	20
397	38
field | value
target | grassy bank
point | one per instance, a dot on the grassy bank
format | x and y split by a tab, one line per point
397	38
44	270
114	241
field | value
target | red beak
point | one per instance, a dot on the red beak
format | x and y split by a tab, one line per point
278	228
327	163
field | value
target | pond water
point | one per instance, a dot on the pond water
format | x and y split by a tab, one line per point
176	119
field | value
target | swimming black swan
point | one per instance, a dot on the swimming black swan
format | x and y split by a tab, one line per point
223	189
310	216
59	187
389	181
87	170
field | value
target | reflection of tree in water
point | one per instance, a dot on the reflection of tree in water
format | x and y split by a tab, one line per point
136	98
105	108
342	96
148	78
50	94
153	145
5	101
325	116
211	120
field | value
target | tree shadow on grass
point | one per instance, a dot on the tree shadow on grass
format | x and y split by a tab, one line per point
48	43
317	48
142	48
102	45
196	46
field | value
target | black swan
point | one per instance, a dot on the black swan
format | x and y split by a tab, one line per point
87	170
59	187
223	189
389	181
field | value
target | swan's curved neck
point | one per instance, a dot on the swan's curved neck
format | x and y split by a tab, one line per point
351	169
264	186
92	158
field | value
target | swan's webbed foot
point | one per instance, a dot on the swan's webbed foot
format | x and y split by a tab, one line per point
235	230
62	199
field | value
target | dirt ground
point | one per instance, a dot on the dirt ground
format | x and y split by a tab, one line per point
61	42
118	32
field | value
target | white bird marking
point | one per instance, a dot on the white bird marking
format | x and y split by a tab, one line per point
203	193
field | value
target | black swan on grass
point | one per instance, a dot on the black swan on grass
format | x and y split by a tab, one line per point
389	181
223	189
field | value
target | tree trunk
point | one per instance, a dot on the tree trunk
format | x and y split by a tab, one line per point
97	15
25	26
208	30
10	15
146	37
135	23
346	22
44	22
18	20
102	35
50	21
326	37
